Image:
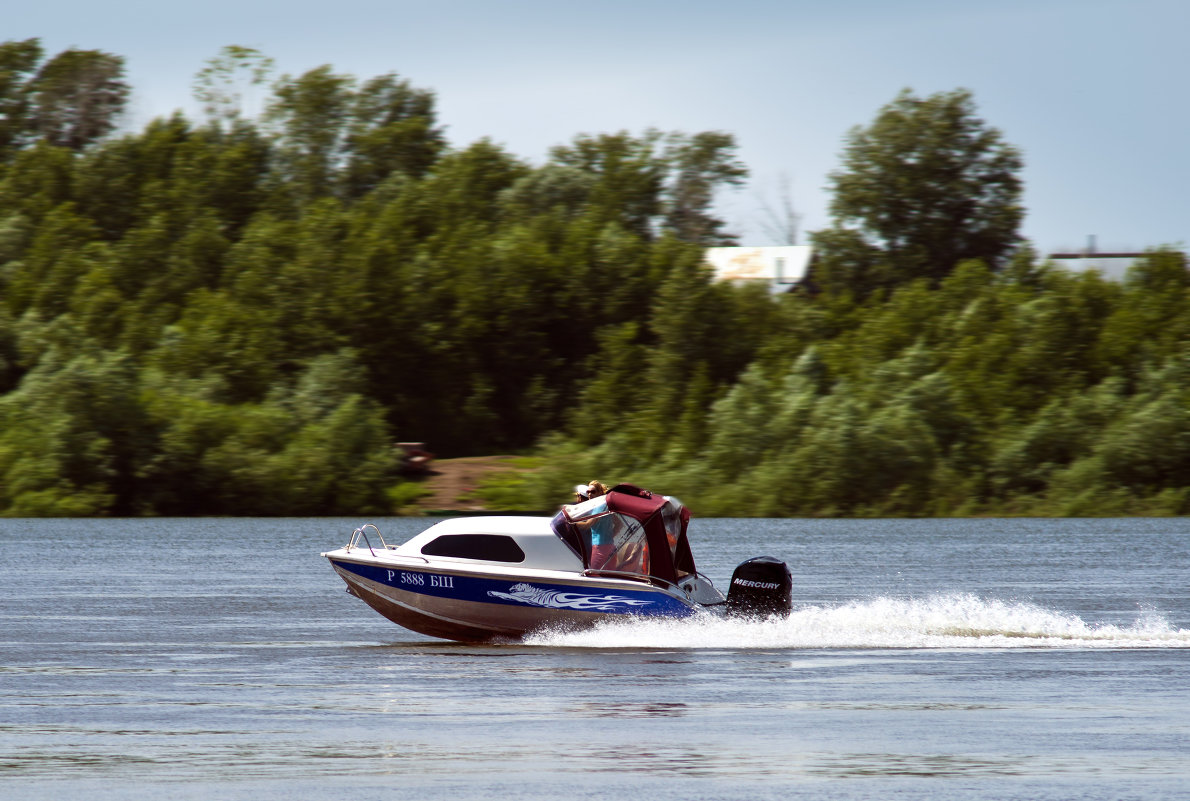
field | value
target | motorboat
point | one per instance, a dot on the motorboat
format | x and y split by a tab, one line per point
480	578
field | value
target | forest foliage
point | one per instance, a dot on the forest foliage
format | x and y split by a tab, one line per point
240	315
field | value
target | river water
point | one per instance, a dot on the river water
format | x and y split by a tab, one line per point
948	659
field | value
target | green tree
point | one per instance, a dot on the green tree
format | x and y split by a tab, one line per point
77	97
9	372
630	175
221	84
337	139
314	445
928	184
55	259
38	179
657	182
310	112
18	63
700	164
391	129
548	190
71	438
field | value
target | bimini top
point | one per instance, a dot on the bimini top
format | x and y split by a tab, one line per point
629	530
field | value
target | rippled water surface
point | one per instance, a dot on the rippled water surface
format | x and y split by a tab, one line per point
979	659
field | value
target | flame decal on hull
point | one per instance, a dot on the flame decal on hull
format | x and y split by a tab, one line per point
553	599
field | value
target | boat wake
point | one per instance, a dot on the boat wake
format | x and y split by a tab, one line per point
939	621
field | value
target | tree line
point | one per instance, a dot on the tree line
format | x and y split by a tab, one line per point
938	367
1031	390
239	314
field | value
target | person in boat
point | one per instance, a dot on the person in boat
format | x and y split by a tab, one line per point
603	547
648	531
599	530
611	548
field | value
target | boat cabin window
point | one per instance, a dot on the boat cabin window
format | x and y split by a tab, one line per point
488	547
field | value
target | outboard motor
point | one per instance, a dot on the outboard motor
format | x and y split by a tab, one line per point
761	586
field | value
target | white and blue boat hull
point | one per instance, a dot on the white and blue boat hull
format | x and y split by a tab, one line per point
460	604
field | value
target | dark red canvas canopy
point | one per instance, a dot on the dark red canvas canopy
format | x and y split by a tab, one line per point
635	517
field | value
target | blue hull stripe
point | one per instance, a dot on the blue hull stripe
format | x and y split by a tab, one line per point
522	592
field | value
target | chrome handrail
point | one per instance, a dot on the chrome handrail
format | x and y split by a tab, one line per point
355	535
642	577
361	532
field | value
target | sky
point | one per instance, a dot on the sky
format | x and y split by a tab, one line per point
1093	92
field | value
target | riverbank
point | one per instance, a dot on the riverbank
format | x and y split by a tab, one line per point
451	484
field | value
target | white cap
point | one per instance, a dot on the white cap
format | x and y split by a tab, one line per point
582	489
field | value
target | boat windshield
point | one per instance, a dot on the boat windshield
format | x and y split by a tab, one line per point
613	541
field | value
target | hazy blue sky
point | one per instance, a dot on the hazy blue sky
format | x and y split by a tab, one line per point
1094	92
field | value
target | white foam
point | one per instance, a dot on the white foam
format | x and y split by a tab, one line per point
939	621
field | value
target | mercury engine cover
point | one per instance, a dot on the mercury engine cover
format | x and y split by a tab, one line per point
760	586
